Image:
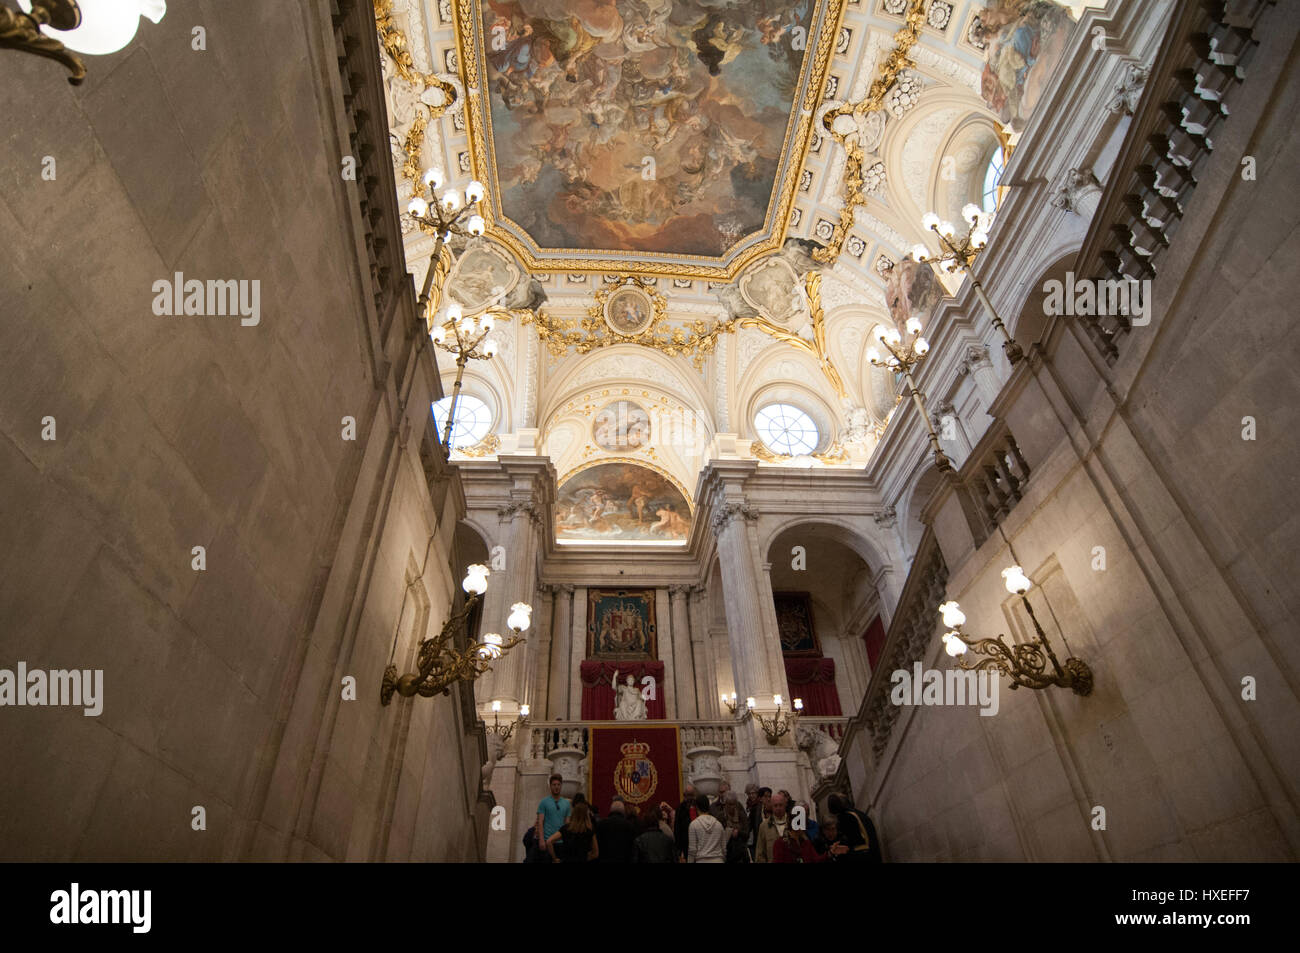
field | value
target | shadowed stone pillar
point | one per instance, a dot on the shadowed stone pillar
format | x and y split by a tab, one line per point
557	698
705	670
746	599
683	667
577	652
539	659
519	523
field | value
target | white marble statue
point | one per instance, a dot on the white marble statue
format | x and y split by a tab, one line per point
628	703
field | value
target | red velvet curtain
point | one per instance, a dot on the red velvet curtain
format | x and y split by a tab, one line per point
598	694
874	638
813	680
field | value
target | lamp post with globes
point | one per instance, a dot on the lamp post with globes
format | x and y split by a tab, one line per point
903	359
960	253
469	341
444	217
1024	664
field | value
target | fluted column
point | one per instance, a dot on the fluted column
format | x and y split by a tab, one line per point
744	598
683	667
772	641
705	666
577	652
557	697
539	659
519	522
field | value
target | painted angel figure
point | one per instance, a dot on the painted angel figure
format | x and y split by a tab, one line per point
628	703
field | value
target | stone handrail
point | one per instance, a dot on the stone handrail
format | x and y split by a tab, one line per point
1201	64
992	480
544	737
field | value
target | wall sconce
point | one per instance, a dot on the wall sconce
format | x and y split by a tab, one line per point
503	732
777	725
1024	664
730	702
440	665
55	28
901	360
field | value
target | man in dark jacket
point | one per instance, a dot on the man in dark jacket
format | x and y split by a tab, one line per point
653	845
857	841
615	835
682	821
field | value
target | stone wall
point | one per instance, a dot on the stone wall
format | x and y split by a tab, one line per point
222	686
1197	591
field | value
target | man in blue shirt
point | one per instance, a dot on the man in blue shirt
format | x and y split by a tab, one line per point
552	812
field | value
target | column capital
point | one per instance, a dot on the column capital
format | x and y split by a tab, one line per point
886	517
509	511
681	591
727	511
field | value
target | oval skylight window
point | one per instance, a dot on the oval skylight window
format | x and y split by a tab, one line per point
786	430
473	418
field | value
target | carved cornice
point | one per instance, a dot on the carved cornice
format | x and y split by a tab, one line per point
508	512
887	518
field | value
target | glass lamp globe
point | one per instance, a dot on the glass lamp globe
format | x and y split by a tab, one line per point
454	312
487	322
439	334
474	192
930	220
952	614
922	346
476	579
433	178
466	326
920	253
948	229
776	700
451	200
475	225
892	336
521	614
496	706
749	702
913	325
953	644
970	211
105	25
417	207
873	355
490	647
1017	582
523	711
798	704
490	348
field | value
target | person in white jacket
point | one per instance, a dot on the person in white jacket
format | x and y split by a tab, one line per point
706	836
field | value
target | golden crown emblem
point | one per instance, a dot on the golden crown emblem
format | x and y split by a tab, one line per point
634	749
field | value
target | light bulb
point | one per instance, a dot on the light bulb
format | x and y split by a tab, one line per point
948	229
776	700
970	211
1017	582
417	207
439	334
921	345
749	702
929	220
520	615
475	579
979	238
496	706
733	698
523	711
104	27
953	644
487	322
475	225
433	178
920	253
952	615
466	326
724	698
490	348
474	192
892	336
798	704
913	325
454	311
451	200
873	356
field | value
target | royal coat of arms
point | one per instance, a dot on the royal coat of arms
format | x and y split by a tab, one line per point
635	777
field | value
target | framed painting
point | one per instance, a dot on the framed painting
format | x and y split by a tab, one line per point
621	624
794	622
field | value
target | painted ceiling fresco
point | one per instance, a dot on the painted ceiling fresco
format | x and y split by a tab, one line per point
621	502
641	125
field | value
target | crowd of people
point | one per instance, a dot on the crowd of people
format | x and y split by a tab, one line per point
768	828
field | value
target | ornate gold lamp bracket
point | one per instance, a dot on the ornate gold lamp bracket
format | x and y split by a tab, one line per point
22	31
841	125
1024	664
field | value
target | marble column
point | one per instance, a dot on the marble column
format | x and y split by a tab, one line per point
707	688
577	652
519	523
683	666
663	626
772	642
561	679
539	659
745	600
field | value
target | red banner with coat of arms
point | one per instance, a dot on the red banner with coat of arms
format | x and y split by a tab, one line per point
641	764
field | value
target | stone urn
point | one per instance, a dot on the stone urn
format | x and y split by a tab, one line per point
704	771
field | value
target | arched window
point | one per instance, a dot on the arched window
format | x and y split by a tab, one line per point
786	429
473	418
993	176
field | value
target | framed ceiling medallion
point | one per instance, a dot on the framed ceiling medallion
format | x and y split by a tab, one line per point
628	308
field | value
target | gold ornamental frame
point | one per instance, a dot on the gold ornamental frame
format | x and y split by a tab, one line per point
828	15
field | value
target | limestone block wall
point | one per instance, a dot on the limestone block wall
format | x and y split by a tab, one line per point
1199	533
222	687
